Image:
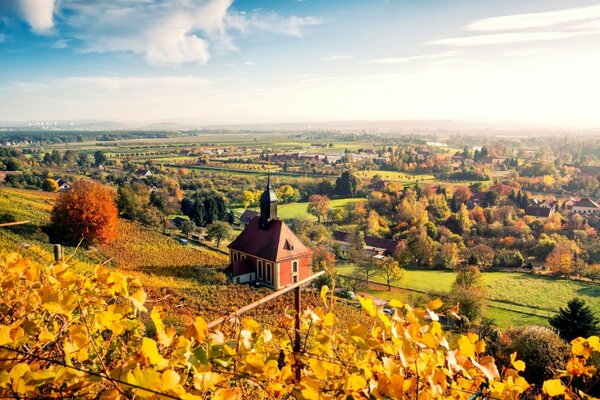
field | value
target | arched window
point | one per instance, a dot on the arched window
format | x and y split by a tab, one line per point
235	256
269	277
259	269
294	267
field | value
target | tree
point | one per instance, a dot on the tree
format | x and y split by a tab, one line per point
248	198
469	292
318	205
368	269
447	256
346	185
462	194
391	271
218	231
99	158
562	258
287	194
131	200
575	320
187	227
13	164
151	216
50	185
86	212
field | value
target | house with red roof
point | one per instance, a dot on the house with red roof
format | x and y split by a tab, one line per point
267	251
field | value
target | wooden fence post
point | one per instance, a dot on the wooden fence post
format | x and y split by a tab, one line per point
58	255
297	338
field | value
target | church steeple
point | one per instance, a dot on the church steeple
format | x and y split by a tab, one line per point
268	205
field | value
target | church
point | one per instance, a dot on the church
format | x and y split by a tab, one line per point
267	251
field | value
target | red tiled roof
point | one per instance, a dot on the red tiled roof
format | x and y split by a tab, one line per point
247	216
585	202
276	243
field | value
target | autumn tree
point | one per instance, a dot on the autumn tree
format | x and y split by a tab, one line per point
218	231
85	213
562	258
462	194
391	271
447	256
318	205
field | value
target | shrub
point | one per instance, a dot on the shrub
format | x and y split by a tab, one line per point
542	350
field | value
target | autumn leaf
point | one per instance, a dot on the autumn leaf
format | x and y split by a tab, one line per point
554	387
519	365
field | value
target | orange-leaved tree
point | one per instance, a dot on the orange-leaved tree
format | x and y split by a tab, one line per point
86	213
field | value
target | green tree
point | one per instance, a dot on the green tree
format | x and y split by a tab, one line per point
99	158
575	320
218	231
468	290
346	185
187	227
391	271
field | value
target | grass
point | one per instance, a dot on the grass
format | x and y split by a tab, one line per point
299	209
517	291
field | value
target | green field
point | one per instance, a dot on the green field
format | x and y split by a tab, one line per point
517	291
299	210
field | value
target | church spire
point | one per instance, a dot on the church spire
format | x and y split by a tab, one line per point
268	205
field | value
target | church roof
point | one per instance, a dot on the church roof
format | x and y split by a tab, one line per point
275	243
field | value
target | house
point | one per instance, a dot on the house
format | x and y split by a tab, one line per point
542	209
374	246
267	251
247	216
585	206
62	184
143	173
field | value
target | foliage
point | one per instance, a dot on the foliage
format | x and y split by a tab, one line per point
346	185
542	350
218	231
575	320
391	271
55	320
50	185
318	206
86	212
468	291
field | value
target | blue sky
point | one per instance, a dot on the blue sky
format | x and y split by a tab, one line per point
224	61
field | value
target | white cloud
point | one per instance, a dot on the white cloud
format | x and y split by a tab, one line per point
508	38
337	57
249	63
536	20
61	44
38	14
270	22
403	60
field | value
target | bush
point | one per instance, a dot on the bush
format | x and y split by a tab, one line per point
542	350
575	320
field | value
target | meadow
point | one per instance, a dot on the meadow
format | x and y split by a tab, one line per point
521	292
395	176
299	209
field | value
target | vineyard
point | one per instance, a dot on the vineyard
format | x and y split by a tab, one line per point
64	335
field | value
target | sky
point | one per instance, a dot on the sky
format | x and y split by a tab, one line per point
250	61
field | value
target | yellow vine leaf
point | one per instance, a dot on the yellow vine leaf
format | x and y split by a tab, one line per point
466	347
554	387
368	305
324	290
5	337
354	383
519	365
138	299
396	303
150	351
228	394
434	304
198	330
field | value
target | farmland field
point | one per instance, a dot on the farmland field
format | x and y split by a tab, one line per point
519	291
